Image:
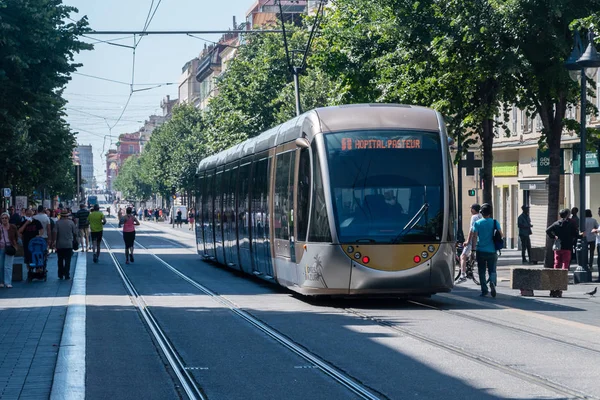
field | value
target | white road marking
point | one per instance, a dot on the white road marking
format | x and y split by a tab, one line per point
69	374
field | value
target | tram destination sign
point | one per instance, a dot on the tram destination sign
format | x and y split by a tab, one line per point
382	143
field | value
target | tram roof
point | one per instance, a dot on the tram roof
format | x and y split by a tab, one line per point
328	120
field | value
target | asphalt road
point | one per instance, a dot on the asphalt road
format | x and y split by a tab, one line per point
449	346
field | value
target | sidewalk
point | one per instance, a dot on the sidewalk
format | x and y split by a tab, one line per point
32	316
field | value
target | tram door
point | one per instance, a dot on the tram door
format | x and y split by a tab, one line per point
199	228
229	220
283	204
243	215
261	245
208	205
218	215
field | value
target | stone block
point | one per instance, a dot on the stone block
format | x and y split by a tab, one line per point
538	254
537	278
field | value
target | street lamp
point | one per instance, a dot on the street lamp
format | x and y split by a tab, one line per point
583	66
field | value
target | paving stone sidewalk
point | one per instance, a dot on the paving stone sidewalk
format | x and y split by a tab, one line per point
32	316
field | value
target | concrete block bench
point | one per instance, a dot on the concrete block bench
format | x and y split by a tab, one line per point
528	279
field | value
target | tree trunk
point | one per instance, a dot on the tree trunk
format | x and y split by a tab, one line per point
554	129
487	140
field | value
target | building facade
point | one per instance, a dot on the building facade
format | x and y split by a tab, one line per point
112	168
264	13
86	160
520	175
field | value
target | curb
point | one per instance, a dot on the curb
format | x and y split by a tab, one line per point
69	374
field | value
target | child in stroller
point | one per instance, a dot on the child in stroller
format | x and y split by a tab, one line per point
39	257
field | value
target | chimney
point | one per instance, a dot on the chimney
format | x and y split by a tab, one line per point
234	23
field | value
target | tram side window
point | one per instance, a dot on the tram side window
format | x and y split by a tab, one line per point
303	194
207	206
242	210
282	206
199	196
319	222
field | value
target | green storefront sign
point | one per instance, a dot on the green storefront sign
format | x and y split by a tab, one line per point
592	166
543	162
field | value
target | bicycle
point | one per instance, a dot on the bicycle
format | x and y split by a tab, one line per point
472	272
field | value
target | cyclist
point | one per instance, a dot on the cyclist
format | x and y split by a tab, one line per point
468	245
97	220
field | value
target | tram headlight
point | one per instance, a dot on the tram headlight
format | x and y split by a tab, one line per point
431	248
357	255
350	249
424	254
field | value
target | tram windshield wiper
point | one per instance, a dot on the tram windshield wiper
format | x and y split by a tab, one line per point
413	222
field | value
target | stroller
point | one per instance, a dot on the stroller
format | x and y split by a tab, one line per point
39	259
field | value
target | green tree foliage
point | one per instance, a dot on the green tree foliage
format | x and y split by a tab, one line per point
256	92
539	31
441	54
133	181
37	48
175	150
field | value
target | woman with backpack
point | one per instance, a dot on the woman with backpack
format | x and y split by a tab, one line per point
488	234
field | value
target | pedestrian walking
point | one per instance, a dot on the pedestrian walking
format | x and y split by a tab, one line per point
45	221
191	219
483	233
66	234
178	220
29	229
575	218
156	215
597	233
563	232
468	245
524	224
590	225
8	249
97	221
129	222
83	223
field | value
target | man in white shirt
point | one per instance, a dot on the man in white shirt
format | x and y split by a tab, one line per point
466	253
44	220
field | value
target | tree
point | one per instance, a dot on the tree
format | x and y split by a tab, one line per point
539	32
36	59
175	150
132	180
441	54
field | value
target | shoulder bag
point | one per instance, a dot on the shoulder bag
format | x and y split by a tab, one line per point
9	249
497	237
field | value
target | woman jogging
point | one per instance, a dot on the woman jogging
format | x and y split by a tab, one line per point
129	222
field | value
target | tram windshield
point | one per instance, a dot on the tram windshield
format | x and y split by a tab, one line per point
387	186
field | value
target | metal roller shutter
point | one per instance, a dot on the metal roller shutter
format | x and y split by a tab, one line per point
538	212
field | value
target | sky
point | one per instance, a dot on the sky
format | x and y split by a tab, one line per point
95	105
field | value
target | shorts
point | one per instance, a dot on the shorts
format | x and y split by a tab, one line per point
96	236
84	231
129	238
466	250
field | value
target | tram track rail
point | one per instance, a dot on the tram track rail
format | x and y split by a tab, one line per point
350	383
353	384
480	359
513	328
188	384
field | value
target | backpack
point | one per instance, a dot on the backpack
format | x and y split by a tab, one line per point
497	238
37	248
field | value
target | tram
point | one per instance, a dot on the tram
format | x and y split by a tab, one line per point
347	200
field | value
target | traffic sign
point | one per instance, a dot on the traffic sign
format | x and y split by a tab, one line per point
6	192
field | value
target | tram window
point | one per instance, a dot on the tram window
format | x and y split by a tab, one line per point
218	204
319	222
282	204
207	206
242	208
260	206
303	194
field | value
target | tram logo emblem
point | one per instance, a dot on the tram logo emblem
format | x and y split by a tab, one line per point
314	272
